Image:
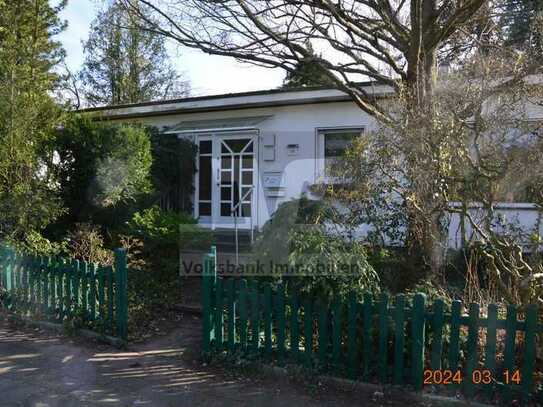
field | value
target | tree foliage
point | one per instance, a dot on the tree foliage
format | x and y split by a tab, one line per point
519	19
298	247
474	145
392	42
28	114
396	44
103	169
126	65
307	73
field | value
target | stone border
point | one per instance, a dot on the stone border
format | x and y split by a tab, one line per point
59	329
352	385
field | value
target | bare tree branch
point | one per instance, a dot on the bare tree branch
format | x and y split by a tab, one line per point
392	42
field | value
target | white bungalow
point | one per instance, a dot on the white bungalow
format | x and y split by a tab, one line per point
259	149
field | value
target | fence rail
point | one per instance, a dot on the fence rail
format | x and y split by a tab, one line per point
66	289
401	340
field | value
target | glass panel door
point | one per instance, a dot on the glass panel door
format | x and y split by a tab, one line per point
205	178
236	177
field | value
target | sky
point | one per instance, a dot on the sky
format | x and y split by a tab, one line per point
208	74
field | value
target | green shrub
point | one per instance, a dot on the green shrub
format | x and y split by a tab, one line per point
36	244
164	228
271	244
318	262
344	264
104	171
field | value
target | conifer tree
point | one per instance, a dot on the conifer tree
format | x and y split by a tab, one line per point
124	64
28	114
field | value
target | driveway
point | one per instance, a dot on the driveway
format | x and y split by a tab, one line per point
38	368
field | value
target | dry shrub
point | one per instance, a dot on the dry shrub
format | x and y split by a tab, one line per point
85	242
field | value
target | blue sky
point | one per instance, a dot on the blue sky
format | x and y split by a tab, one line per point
207	74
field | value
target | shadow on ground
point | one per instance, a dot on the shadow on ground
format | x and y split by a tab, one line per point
41	369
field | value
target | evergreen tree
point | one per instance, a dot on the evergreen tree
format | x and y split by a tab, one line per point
306	73
28	114
520	21
124	64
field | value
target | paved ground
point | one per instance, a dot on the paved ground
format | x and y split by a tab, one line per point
41	369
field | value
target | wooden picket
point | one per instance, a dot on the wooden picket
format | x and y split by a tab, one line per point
387	340
62	289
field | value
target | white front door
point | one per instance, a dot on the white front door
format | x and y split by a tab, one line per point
225	192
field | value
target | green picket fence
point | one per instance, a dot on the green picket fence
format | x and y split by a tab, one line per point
401	341
63	289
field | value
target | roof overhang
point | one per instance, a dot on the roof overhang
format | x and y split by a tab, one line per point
217	125
235	101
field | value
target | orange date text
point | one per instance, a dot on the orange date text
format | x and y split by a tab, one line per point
478	376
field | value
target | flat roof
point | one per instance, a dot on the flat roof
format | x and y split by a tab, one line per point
233	101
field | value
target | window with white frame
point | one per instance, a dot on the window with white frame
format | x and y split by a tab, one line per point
332	144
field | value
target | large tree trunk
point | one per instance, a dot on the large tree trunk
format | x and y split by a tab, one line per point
420	85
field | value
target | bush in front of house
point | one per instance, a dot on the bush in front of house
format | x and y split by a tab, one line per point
103	171
298	248
160	229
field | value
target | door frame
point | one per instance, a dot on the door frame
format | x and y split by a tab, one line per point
214	221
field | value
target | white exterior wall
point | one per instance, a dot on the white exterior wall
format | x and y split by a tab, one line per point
515	219
296	124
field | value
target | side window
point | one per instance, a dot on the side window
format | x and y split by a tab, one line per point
333	144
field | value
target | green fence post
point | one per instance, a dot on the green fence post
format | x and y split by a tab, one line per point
528	367
337	310
85	289
121	274
352	348
231	291
294	325
9	278
383	337
2	266
490	349
52	285
219	317
206	304
60	288
243	314
255	317
509	350
437	334
308	332
14	273
34	266
454	342
102	294
76	278
267	321
418	333
92	292
471	356
68	267
281	323
42	275
323	334
367	311
110	299
399	338
31	265
27	265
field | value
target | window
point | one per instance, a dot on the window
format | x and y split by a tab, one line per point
332	145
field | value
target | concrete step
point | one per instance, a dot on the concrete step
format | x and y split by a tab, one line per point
225	240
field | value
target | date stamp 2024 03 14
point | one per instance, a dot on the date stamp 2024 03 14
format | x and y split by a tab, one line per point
478	376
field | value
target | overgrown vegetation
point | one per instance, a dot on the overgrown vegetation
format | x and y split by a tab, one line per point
297	246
